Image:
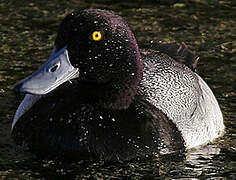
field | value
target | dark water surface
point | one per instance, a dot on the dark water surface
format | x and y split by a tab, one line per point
27	32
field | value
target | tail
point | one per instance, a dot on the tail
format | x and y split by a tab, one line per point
180	53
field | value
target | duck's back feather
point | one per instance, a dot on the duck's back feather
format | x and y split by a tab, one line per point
183	96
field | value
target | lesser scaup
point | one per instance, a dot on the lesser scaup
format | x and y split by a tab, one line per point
98	97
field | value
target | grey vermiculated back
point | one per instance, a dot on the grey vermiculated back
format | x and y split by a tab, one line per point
183	96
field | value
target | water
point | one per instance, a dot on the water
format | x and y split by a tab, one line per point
27	33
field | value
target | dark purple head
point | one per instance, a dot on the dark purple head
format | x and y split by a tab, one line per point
94	47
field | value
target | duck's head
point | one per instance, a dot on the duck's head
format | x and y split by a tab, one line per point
94	47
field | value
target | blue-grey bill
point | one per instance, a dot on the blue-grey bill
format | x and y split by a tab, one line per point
24	106
53	73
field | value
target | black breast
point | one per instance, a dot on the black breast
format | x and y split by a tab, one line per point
59	127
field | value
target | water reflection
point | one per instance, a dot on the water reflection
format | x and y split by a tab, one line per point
201	160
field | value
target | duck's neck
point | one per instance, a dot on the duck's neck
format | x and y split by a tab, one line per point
116	94
124	87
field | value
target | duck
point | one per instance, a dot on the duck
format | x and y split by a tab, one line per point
100	97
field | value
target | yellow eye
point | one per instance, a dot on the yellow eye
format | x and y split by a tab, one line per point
97	35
